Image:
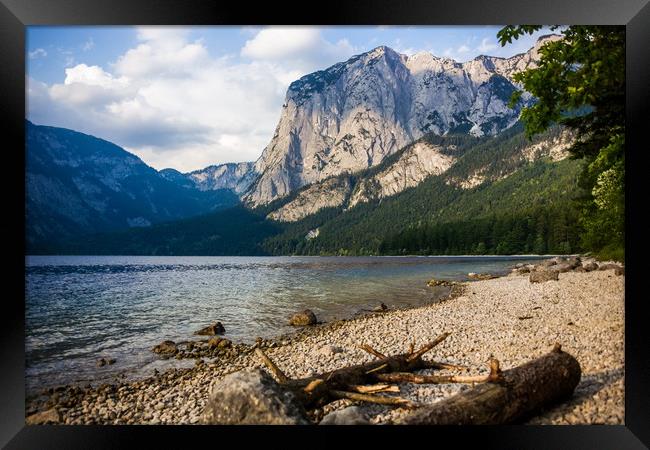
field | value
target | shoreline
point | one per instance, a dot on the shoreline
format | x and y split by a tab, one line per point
178	396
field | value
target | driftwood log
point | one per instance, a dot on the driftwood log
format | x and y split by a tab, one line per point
521	392
500	398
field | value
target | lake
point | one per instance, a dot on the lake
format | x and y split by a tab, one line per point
81	308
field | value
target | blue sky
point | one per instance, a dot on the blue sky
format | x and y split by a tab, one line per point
188	97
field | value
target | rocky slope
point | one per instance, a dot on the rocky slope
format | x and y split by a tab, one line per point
429	156
77	184
352	115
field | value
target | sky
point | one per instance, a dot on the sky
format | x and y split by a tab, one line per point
190	97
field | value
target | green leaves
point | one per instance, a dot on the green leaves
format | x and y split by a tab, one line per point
580	83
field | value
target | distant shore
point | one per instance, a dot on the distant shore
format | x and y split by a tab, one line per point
508	318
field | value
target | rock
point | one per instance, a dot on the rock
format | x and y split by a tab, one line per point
329	350
574	261
214	342
44	417
351	415
211	330
590	266
306	317
165	348
433	282
101	362
540	276
564	267
480	276
224	343
381	308
608	266
619	271
252	397
549	262
523	270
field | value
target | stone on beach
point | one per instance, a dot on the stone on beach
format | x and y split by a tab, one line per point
540	276
306	317
252	397
212	330
351	415
590	266
329	350
165	348
44	417
380	308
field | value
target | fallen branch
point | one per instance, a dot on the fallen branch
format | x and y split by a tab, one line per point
372	351
281	377
317	390
427	347
364	389
375	399
405	377
520	393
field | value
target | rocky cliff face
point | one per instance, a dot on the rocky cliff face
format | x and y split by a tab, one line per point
352	115
234	176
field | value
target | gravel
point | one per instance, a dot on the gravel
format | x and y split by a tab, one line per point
507	318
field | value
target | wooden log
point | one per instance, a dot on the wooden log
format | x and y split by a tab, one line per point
522	392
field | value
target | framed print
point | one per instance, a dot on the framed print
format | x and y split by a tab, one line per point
362	214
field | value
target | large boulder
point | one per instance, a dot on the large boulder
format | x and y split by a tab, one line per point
351	415
212	330
306	317
165	348
540	276
252	397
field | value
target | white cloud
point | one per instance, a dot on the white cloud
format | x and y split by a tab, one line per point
38	53
486	46
168	101
463	49
299	48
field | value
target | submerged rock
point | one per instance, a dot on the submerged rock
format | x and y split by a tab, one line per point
252	397
212	330
306	317
433	283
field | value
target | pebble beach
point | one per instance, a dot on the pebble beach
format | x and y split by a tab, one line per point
507	318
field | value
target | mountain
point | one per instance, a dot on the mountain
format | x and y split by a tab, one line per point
522	185
234	176
77	184
354	114
488	192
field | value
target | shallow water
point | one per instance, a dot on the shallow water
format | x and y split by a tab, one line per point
82	308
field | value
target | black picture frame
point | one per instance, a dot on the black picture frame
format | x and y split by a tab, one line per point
15	15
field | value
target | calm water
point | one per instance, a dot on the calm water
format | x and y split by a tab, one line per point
82	308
